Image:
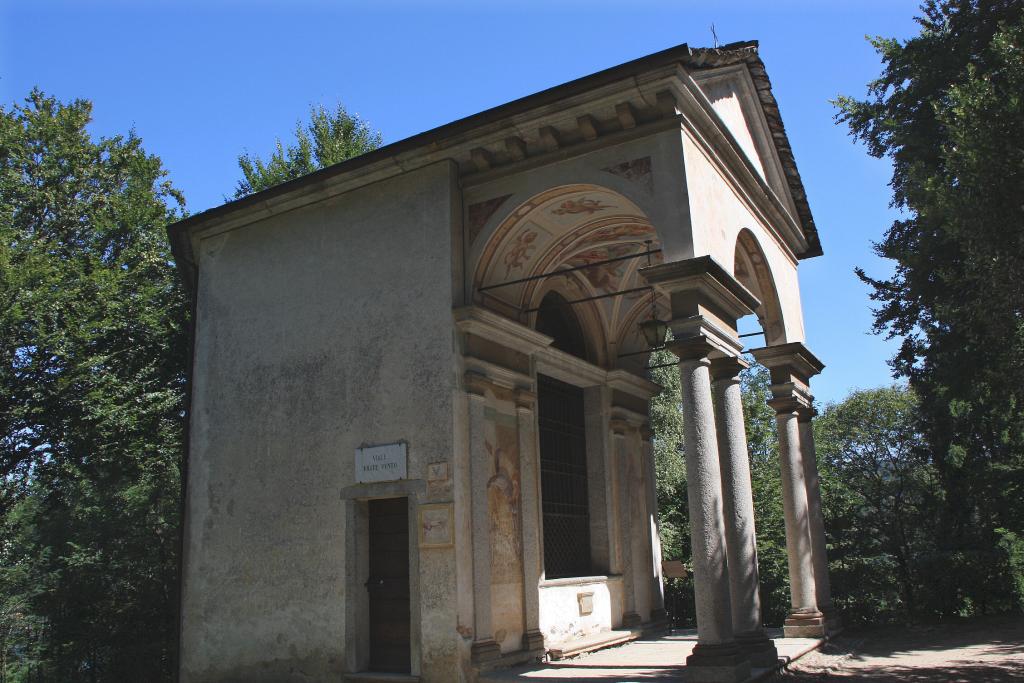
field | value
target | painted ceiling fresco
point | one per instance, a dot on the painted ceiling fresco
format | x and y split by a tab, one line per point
566	228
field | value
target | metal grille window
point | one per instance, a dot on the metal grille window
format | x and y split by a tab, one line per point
563	479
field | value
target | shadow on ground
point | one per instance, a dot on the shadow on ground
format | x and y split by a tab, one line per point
977	651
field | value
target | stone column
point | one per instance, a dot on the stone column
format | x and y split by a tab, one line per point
630	618
791	366
805	620
530	523
819	554
738	506
716	656
484	647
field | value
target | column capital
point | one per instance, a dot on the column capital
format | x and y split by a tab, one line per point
619	426
697	347
525	399
701	283
789	363
791	397
705	300
728	368
475	384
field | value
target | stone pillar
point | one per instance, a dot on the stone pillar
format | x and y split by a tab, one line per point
630	618
738	506
484	647
716	656
805	620
529	477
819	554
791	366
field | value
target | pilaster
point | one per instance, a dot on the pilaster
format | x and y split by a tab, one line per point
484	648
526	402
620	430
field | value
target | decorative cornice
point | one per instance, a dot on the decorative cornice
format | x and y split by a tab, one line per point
489	325
656	90
703	275
793	359
634	385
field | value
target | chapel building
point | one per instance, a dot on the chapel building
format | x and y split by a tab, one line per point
419	434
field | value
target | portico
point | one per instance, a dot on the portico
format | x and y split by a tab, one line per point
471	312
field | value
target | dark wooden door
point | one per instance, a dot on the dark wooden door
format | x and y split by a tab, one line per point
389	585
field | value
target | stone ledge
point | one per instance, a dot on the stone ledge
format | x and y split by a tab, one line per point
379	677
598	641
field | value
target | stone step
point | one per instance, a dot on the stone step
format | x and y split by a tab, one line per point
595	642
378	677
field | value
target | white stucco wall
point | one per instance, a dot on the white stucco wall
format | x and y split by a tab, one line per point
317	331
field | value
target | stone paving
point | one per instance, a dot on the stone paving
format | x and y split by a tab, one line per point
985	650
647	659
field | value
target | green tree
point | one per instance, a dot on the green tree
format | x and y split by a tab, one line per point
879	498
948	111
92	323
327	138
766	484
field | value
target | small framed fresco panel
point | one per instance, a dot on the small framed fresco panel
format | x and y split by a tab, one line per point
437	525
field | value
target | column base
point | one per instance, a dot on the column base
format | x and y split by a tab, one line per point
719	663
807	623
484	651
759	648
631	620
533	640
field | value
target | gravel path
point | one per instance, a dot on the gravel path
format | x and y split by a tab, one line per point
976	651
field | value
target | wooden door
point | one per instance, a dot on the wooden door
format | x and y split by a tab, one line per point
388	585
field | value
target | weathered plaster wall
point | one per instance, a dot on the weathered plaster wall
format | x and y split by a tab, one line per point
561	617
718	215
317	331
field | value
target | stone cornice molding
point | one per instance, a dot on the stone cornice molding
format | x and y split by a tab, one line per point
789	362
481	371
704	277
657	91
634	385
569	368
497	328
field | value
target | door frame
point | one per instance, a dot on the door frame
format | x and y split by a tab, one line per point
356	521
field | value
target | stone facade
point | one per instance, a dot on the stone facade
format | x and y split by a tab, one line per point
404	299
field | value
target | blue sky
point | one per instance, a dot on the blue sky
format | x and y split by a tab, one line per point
202	82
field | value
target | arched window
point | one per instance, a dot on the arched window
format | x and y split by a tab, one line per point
556	319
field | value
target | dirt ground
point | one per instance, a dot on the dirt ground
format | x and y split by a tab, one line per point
976	651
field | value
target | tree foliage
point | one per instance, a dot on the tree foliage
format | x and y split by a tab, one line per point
948	111
327	138
91	397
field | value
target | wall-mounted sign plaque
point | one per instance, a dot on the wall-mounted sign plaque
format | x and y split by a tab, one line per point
381	463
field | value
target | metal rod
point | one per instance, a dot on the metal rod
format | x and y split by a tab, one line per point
640	353
592	298
663	365
570	270
751	334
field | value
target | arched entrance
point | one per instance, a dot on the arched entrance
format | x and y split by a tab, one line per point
558	296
